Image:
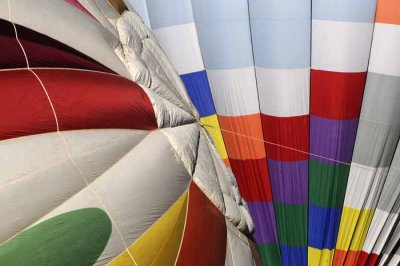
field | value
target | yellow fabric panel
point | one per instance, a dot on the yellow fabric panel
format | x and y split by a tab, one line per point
215	132
348	224
317	257
159	245
362	229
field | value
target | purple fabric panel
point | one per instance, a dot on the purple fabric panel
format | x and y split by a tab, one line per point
289	181
263	215
331	138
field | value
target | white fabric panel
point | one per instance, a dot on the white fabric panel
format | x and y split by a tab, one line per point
375	229
238	252
385	48
124	190
341	46
206	176
385	233
284	92
185	141
103	12
30	169
361	183
82	31
234	91
181	45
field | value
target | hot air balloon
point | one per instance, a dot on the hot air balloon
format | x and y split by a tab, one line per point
302	101
103	161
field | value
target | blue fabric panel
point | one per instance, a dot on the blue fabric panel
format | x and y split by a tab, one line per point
281	33
294	256
166	13
224	33
322	235
344	10
199	91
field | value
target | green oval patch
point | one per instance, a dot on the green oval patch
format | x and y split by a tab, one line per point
73	238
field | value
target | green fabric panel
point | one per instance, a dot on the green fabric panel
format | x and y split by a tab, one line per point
73	238
270	254
292	224
327	184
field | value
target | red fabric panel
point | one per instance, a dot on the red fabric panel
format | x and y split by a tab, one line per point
373	259
204	240
253	179
24	108
287	131
82	100
336	95
41	50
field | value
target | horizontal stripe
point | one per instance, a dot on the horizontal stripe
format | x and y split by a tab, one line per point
270	254
381	98
289	181
290	132
290	24
253	179
181	45
264	221
344	10
82	100
234	91
293	255
215	133
375	143
350	219
333	139
341	46
292	224
387	11
199	92
384	51
323	226
320	257
169	13
243	136
327	183
283	92
361	184
336	95
224	33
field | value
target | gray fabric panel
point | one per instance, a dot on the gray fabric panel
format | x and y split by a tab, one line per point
391	190
381	100
375	143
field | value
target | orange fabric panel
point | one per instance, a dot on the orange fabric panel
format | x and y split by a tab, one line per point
247	142
204	239
339	257
388	11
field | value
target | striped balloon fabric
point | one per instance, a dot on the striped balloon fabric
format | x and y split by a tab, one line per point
103	160
302	99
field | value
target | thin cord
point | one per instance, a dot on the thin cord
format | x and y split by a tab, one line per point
287	147
67	150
